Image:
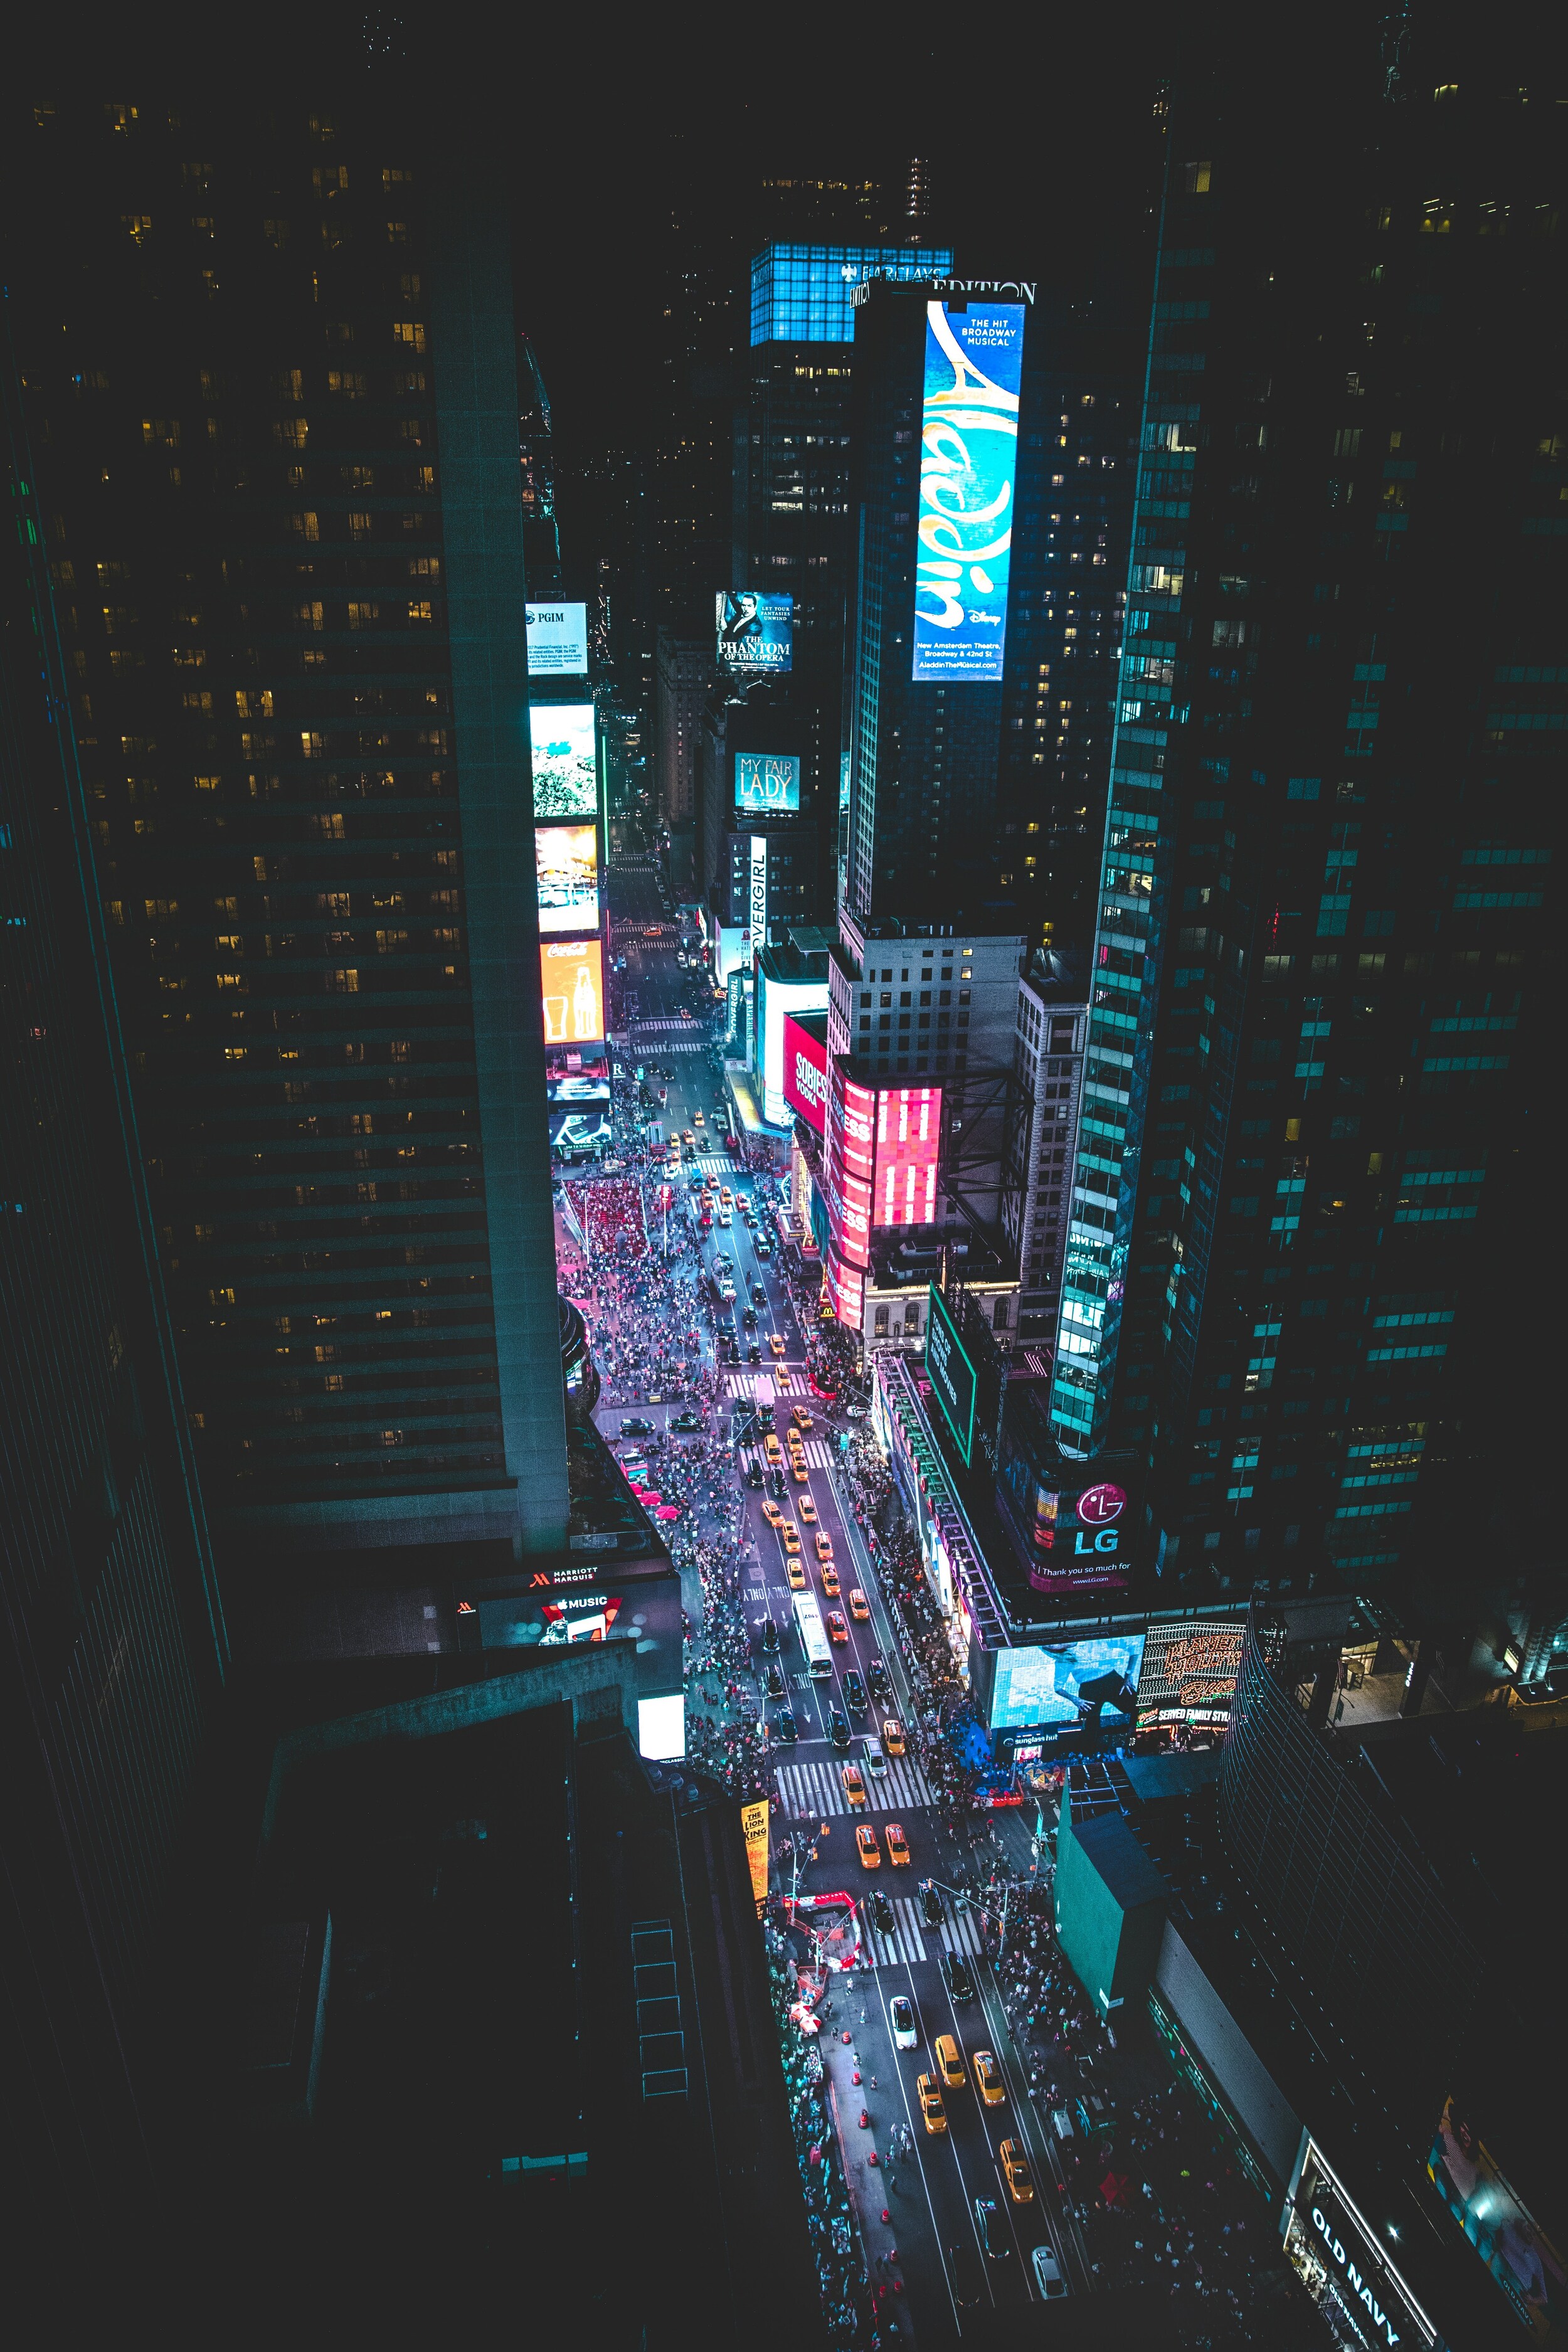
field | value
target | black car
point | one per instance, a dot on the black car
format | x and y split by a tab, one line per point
955	1976
931	1911
634	1426
754	1475
784	1726
770	1635
773	1682
992	2235
759	1296
968	2278
854	1693
838	1728
687	1421
882	1917
753	1353
877	1675
750	1318
776	1482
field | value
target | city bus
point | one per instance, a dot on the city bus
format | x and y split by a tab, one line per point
813	1639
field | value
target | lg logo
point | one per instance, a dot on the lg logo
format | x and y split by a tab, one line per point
1100	1505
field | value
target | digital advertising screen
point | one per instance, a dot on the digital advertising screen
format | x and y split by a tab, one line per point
1189	1673
1507	2237
578	1089
777	1000
558	640
572	974
969	451
755	630
804	1073
1348	2268
951	1374
767	784
581	1130
565	770
567	860
909	1128
1070	1683
852	1162
1081	1540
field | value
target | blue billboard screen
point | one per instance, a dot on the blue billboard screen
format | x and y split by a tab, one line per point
766	783
969	452
1067	1684
755	632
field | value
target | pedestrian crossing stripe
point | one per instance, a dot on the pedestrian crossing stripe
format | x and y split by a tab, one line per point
815	1792
818	1456
757	1385
714	1165
911	1938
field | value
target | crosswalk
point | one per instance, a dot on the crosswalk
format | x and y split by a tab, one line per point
757	1385
665	1028
815	1792
911	1939
715	1164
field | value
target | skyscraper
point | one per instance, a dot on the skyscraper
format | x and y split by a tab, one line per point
112	1642
979	695
1314	1081
271	372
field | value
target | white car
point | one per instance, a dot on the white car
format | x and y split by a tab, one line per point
876	1762
1047	2275
901	2015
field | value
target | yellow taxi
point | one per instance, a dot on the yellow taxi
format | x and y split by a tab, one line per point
893	1736
865	1845
686	1136
934	2115
838	1631
949	2064
791	1535
988	2079
859	1607
1015	2172
831	1580
796	1572
824	1543
771	1513
726	1198
808	1511
701	1117
854	1784
773	1451
803	1420
797	1469
776	1344
898	1846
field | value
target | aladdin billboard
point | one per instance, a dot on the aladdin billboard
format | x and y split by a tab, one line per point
804	1073
969	451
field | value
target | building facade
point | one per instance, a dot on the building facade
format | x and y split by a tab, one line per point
682	677
114	1647
1314	1059
1053	1032
279	467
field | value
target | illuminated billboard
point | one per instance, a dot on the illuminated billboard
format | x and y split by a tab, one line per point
580	1130
776	1001
1082	1539
557	640
909	1120
952	1374
852	1159
566	857
767	784
804	1073
755	630
1346	2266
969	451
566	770
1189	1673
1065	1683
572	975
1517	2251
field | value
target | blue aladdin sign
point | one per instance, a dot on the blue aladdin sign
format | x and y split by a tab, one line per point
969	451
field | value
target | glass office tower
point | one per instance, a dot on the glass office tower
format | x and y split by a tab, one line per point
1315	1057
272	381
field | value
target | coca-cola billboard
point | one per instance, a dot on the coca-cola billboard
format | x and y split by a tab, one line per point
804	1073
